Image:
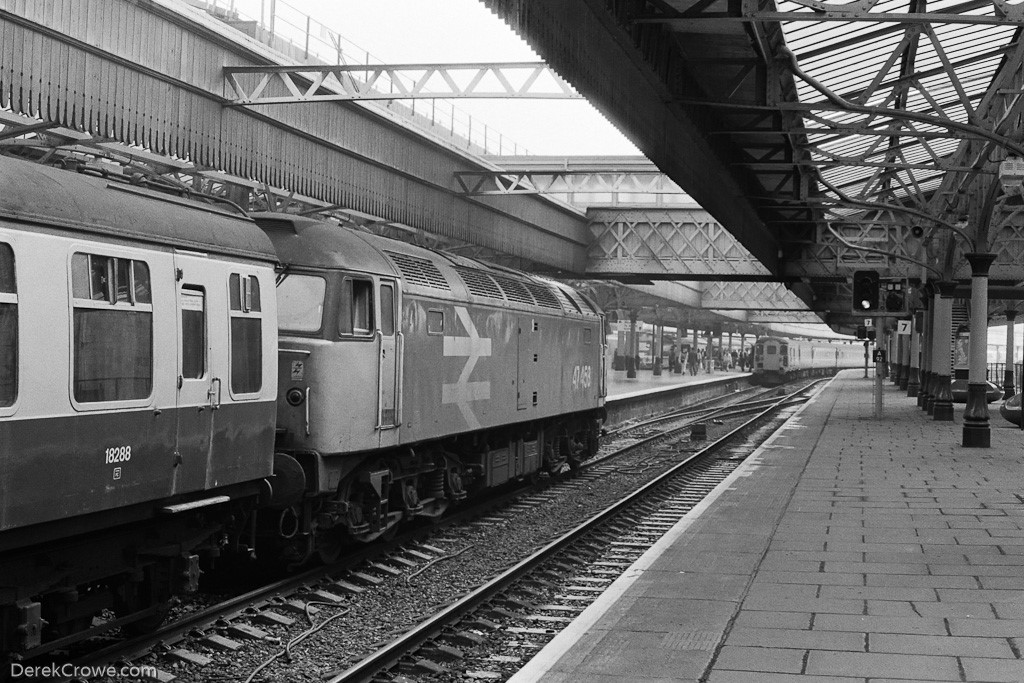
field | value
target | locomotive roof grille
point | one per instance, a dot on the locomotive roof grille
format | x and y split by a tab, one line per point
514	290
564	299
543	296
479	282
588	303
419	271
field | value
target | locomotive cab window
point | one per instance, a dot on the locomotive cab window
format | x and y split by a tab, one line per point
300	303
8	328
355	317
246	334
113	329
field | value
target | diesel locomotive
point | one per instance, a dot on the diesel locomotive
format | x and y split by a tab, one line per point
778	360
410	378
151	416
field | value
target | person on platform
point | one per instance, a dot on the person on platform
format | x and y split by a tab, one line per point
672	359
691	361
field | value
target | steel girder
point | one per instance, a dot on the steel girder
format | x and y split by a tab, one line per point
569	182
290	84
679	243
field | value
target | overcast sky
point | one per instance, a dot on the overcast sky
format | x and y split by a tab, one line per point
403	31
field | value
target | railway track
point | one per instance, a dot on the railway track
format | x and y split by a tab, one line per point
253	636
560	579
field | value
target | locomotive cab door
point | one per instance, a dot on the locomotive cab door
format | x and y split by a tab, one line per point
389	362
200	301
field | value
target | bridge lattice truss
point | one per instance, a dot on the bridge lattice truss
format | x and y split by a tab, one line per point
290	84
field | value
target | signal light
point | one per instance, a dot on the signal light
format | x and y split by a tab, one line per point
865	291
895	296
862	332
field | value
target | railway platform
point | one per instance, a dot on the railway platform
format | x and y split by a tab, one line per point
648	395
847	549
620	386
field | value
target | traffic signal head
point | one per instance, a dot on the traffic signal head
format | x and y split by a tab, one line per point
865	291
862	332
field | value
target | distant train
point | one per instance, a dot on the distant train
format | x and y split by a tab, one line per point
147	420
778	359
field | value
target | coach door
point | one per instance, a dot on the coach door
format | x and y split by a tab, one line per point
389	360
202	303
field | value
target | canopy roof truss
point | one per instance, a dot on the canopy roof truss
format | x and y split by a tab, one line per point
865	119
864	134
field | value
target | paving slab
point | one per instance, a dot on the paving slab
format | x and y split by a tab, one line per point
847	549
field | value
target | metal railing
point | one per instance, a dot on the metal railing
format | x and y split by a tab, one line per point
994	372
299	36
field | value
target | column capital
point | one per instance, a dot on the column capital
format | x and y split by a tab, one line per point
980	263
1011	315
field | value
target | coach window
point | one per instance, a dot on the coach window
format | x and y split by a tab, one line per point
246	334
355	317
8	328
113	329
193	332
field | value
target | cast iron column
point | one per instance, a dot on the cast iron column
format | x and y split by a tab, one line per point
632	347
976	431
1009	384
926	397
680	338
914	375
942	407
901	360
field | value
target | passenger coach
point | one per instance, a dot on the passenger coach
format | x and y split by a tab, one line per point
138	351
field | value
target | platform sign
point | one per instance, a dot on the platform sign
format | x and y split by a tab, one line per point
878	355
903	327
869	322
